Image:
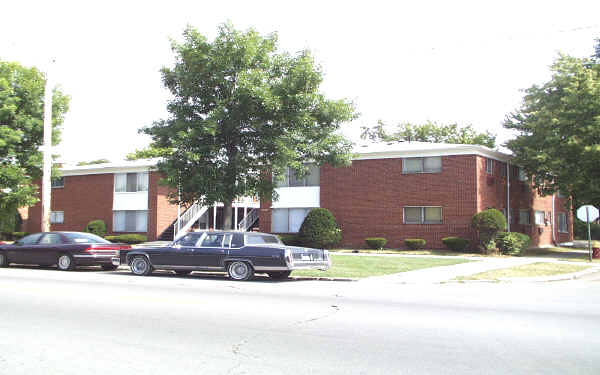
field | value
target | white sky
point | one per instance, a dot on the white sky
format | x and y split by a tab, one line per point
445	61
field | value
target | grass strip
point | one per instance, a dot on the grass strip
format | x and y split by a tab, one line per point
365	266
526	270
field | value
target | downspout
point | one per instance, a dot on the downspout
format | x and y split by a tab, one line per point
552	219
508	196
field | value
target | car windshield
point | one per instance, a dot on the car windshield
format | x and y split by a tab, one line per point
84	238
261	239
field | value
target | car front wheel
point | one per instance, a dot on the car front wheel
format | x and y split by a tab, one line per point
141	266
240	271
65	262
279	275
3	260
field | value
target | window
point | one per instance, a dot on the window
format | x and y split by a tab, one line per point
489	166
524	217
559	194
213	240
57	217
131	182
503	170
261	239
288	220
51	238
422	215
58	182
562	223
522	175
540	218
130	221
75	237
311	178
32	239
189	240
422	165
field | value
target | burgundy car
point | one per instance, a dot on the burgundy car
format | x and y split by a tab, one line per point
65	249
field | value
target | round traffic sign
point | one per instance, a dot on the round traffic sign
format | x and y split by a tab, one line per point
587	213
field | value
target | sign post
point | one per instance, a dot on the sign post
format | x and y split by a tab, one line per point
588	214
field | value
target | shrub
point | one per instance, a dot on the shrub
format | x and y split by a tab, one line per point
512	243
319	229
131	239
376	243
289	239
580	230
488	223
96	227
455	243
18	235
415	243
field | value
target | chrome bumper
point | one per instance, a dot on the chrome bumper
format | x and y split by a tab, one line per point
114	260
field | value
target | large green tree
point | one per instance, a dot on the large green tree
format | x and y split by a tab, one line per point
240	110
21	133
558	124
429	132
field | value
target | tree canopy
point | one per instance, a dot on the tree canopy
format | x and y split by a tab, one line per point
240	110
429	132
558	124
21	132
92	162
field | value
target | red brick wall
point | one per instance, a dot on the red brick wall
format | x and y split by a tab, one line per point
161	213
83	199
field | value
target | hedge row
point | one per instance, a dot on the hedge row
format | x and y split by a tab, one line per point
131	239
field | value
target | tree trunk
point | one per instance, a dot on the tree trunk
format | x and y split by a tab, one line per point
227	220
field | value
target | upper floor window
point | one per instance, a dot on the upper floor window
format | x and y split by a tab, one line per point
422	165
311	178
58	182
131	182
489	166
422	215
522	175
503	170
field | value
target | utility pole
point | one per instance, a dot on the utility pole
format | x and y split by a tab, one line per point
47	152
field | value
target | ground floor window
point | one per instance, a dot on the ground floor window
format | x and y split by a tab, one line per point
524	217
130	221
422	215
57	217
540	217
562	223
288	220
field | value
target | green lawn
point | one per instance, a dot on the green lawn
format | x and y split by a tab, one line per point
527	270
562	253
365	266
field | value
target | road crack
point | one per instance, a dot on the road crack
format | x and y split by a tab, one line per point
335	308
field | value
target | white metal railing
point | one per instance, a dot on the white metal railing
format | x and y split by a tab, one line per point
248	220
189	217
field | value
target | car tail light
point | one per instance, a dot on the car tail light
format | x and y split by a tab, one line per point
106	249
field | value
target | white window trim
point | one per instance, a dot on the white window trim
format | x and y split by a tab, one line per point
53	217
489	166
422	222
535	215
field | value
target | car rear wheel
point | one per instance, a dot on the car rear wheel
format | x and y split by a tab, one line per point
109	267
141	266
279	275
240	271
182	272
3	260
65	262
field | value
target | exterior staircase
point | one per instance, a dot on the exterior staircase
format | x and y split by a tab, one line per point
248	221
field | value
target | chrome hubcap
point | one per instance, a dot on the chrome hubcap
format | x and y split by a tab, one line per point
139	265
239	270
64	262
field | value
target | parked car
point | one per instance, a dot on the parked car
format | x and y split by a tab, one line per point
240	254
65	249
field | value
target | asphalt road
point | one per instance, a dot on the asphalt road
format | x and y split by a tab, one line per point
89	322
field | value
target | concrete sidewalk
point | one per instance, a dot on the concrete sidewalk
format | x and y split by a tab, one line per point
436	275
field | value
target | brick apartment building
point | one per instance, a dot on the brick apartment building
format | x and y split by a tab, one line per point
410	190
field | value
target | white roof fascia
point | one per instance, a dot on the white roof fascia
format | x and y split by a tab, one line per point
450	151
107	168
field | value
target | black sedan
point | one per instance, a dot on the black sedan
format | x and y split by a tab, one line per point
241	254
65	249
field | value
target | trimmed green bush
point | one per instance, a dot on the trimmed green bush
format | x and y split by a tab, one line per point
376	243
488	223
512	243
455	243
319	229
131	239
415	243
289	239
18	235
96	227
